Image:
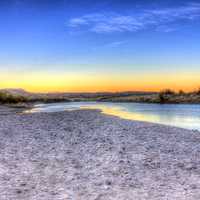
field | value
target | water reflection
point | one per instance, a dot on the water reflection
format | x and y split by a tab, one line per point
186	116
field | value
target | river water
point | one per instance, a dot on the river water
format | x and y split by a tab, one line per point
180	115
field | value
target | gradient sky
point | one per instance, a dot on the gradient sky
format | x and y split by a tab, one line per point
104	45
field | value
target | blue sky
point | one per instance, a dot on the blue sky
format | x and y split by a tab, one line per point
107	36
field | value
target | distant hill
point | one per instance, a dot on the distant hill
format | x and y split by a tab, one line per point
22	92
16	92
70	96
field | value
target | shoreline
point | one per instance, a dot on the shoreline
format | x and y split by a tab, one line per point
123	112
89	155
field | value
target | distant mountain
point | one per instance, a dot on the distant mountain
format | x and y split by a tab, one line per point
22	92
16	92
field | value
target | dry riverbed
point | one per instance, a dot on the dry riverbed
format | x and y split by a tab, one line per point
86	155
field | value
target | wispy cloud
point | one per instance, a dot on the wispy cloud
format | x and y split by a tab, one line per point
116	44
115	22
111	45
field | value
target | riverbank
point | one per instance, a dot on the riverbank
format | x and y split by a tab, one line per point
159	98
88	155
14	96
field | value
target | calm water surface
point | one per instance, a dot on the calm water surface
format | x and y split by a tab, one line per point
185	116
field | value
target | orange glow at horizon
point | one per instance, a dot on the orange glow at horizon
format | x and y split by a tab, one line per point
80	82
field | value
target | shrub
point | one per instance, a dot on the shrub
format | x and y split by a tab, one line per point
161	98
9	98
181	92
167	92
164	95
198	92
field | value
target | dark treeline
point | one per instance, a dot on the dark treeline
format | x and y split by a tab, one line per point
164	96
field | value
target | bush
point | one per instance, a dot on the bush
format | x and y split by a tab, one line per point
167	92
181	92
8	98
161	98
198	91
164	95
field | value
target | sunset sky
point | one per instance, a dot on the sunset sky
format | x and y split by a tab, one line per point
103	45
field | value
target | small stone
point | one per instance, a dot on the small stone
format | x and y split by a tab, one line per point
19	191
108	182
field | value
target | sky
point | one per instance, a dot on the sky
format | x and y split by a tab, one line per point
104	45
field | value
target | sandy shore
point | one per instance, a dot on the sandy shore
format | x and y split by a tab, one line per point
86	155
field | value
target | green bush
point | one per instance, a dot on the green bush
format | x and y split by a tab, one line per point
8	98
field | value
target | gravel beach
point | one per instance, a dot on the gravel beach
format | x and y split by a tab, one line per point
87	155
